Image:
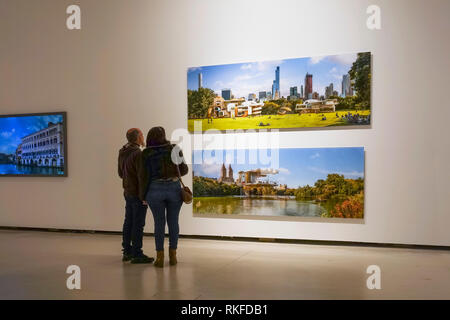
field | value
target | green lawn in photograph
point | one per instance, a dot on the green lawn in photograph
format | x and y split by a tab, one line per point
311	120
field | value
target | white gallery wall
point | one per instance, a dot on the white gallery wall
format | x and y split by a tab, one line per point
127	67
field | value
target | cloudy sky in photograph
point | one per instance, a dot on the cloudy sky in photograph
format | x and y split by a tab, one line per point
252	77
13	129
295	166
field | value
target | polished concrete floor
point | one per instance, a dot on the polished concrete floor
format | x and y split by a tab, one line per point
33	266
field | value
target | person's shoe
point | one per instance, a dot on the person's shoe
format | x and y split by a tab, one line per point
173	257
142	259
159	259
126	257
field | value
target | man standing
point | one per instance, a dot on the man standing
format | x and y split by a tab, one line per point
135	209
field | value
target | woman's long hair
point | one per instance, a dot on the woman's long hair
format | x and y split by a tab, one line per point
156	136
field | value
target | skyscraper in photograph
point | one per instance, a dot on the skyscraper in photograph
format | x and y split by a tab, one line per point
262	95
301	92
277	78
226	94
329	91
308	86
276	84
277	95
346	86
200	80
293	94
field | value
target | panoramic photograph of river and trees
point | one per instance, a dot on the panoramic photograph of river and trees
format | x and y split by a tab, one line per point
312	182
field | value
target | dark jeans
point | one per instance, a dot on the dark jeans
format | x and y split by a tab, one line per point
164	200
133	226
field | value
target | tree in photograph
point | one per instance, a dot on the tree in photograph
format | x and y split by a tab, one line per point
344	197
199	101
270	108
353	207
346	103
360	74
207	187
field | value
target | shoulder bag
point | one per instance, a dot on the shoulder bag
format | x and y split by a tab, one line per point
186	193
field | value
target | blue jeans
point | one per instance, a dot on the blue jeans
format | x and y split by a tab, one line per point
133	226
164	200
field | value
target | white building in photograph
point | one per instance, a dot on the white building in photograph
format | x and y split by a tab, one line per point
246	108
315	106
44	148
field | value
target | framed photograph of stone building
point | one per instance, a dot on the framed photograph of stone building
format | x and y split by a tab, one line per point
33	145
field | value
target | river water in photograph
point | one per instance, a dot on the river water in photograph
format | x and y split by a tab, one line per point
28	170
260	206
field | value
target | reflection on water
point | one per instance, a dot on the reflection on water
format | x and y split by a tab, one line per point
261	206
27	170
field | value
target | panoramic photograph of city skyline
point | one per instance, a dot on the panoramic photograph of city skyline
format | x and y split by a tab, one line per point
311	92
307	182
32	145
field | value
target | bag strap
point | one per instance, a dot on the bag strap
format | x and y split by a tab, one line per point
179	175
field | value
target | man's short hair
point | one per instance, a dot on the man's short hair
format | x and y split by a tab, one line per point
133	134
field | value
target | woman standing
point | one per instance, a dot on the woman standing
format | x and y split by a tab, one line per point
160	166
